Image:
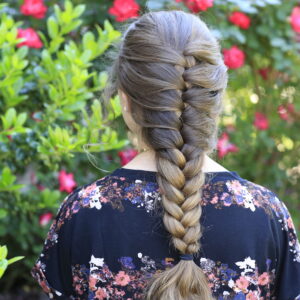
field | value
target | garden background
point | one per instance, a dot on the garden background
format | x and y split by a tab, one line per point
54	57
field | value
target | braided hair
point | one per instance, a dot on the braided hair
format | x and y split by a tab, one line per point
171	68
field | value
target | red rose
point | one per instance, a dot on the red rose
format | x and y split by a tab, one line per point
295	19
234	57
285	111
44	219
32	39
224	146
124	9
264	73
35	8
127	155
197	5
66	181
261	122
240	19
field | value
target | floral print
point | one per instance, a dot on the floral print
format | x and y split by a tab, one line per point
85	257
249	282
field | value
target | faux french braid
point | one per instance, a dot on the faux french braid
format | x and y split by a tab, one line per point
171	68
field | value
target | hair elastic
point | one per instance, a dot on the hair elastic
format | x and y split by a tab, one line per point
186	257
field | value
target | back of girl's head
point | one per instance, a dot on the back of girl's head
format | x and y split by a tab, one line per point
171	69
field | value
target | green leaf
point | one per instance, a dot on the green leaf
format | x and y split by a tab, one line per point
3	213
10	117
3	266
14	259
52	27
6	177
22	52
21	119
58	13
3	252
79	9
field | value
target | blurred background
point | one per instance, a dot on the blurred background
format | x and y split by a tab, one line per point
54	57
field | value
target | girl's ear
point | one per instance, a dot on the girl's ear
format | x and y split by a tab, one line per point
124	100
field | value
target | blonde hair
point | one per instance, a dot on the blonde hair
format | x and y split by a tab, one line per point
171	68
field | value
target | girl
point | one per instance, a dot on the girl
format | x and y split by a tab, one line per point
172	223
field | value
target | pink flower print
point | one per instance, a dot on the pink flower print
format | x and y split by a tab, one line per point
101	294
214	200
236	186
103	200
119	293
67	213
89	189
242	283
75	207
263	279
122	278
227	199
78	289
45	286
252	296
290	223
92	283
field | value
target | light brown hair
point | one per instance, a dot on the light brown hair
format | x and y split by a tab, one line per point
170	66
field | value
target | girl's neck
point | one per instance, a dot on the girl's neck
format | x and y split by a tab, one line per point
146	161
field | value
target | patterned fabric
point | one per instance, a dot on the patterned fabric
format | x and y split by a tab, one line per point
108	240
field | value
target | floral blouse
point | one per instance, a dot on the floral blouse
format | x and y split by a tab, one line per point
108	239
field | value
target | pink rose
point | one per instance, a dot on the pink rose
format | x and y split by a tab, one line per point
234	57
240	19
44	219
32	39
261	122
124	9
295	19
66	181
224	146
35	8
127	155
197	5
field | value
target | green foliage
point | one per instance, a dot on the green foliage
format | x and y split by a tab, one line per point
49	110
12	123
12	63
7	182
4	263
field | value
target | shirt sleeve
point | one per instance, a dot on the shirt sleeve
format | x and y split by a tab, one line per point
52	269
288	265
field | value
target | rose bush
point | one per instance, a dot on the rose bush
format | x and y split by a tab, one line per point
52	71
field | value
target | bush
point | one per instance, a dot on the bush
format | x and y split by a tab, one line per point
49	109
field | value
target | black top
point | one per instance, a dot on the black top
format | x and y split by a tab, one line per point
108	239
